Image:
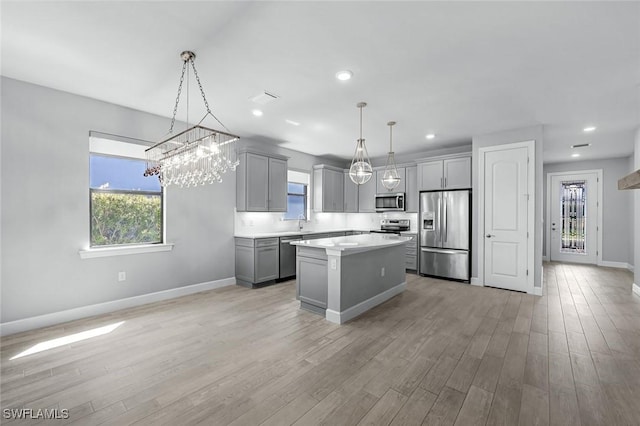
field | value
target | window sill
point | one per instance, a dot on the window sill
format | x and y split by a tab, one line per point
123	251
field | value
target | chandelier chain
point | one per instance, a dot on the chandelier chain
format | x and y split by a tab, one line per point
204	98
175	108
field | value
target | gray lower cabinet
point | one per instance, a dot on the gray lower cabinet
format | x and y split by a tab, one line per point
257	260
411	252
312	279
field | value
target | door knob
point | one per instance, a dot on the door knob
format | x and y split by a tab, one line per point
489	235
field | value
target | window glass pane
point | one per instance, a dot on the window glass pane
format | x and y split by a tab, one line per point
574	217
295	207
125	218
120	173
296	188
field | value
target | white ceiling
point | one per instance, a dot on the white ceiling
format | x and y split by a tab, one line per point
457	69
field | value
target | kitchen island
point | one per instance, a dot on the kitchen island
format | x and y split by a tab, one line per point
342	277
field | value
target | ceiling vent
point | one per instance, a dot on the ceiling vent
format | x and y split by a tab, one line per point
581	145
263	98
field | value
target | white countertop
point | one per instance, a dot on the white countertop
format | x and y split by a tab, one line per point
354	243
289	233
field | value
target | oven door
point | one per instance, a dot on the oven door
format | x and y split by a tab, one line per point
390	202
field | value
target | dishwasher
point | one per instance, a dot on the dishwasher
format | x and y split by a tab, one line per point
288	256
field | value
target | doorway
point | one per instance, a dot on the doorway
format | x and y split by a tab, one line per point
573	216
506	216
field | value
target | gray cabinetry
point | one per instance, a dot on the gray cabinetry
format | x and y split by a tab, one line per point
412	194
367	196
257	260
261	182
350	194
277	185
449	173
411	252
380	189
311	288
328	189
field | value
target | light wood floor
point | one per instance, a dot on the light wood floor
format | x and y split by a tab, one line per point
440	353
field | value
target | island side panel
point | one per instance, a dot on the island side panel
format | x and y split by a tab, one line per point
357	283
311	282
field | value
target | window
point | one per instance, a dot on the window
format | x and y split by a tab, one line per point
125	207
296	201
297	195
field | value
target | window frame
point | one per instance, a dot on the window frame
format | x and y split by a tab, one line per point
305	197
124	191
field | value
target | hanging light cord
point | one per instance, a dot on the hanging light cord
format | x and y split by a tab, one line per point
361	122
390	138
204	98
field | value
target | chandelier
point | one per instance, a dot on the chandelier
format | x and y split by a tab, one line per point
360	171
198	155
390	178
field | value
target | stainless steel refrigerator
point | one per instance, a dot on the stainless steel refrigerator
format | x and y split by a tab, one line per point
445	221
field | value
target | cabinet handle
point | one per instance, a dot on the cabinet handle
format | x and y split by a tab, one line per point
445	182
441	183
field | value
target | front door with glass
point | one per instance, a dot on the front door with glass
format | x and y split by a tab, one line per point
574	217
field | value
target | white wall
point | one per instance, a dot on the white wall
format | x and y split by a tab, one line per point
632	222
636	213
534	133
616	221
45	209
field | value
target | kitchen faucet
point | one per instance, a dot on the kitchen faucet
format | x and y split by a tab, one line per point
300	221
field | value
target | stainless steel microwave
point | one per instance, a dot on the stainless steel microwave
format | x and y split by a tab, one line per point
392	201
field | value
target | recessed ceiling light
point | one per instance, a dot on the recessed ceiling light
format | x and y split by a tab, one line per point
344	75
293	123
257	112
431	136
575	155
589	129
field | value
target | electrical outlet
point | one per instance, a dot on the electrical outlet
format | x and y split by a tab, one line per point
122	276
334	264
382	272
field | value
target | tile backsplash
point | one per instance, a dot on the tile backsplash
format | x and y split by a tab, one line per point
255	222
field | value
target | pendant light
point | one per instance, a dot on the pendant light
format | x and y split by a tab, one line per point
197	155
391	178
360	171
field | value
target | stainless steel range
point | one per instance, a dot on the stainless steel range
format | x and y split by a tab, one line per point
392	226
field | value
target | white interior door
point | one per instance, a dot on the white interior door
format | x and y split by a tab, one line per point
574	218
506	204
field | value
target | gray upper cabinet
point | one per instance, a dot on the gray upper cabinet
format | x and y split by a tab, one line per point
350	194
328	189
277	185
449	173
380	189
457	173
367	196
411	199
261	182
430	175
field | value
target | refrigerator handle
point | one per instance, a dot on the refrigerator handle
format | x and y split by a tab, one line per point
438	228
444	218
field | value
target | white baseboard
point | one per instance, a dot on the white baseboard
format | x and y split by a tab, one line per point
537	291
476	281
545	258
54	318
636	288
630	267
344	316
621	265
